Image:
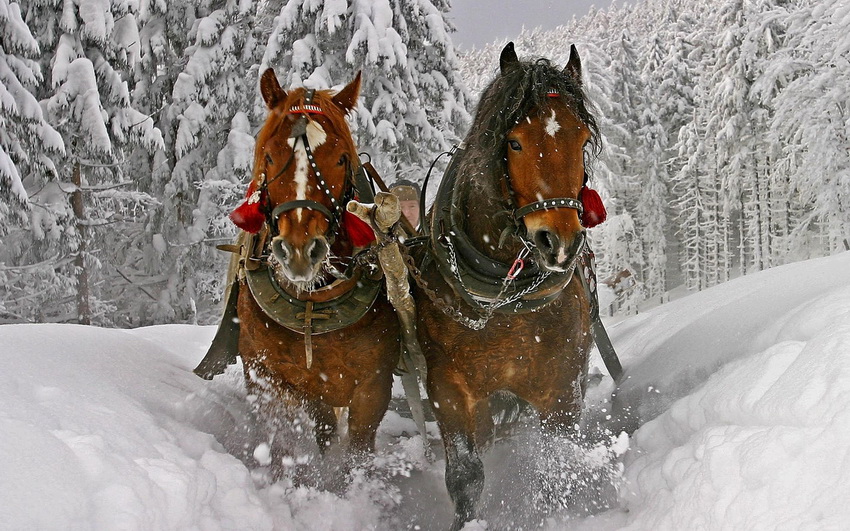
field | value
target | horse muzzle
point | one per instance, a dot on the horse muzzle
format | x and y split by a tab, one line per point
301	264
553	253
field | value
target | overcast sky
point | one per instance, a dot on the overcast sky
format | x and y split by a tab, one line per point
480	22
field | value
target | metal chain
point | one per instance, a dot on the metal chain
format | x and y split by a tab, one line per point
454	311
506	282
447	309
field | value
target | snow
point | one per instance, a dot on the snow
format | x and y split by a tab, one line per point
740	396
78	90
724	323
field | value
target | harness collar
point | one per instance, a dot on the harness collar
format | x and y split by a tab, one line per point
473	275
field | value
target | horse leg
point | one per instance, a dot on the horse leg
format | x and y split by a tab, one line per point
325	419
456	417
485	429
283	415
560	422
368	405
559	415
556	460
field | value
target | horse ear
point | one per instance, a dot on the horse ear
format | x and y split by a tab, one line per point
270	89
346	98
508	57
573	68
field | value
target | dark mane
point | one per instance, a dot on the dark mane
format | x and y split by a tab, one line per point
510	97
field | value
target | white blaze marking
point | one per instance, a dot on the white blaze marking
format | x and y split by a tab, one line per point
316	136
552	125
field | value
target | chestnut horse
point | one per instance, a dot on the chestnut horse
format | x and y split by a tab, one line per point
303	280
499	309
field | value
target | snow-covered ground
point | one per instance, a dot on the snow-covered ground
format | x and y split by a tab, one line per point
740	397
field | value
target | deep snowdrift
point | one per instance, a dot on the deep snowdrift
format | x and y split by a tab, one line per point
741	395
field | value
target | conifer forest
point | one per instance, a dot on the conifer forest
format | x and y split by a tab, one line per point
127	131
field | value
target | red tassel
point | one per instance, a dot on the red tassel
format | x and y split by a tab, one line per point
249	215
359	233
594	211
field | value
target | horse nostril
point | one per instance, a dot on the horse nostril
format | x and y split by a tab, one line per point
279	250
318	250
546	241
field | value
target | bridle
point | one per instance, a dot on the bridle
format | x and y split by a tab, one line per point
299	133
516	213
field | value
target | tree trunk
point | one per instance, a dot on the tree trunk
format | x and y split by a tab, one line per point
83	306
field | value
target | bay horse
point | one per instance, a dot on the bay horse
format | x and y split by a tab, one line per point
314	329
498	307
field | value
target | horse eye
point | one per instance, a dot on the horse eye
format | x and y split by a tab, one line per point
269	159
515	145
342	160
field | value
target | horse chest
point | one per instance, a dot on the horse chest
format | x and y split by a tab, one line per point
513	352
342	360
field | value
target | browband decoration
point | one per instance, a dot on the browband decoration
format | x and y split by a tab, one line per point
306	109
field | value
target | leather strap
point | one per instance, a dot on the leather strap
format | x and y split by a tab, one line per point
301	203
548	204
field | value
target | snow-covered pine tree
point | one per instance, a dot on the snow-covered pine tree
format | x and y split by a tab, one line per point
26	141
617	246
763	41
703	224
813	119
651	141
413	102
94	46
201	62
624	158
690	207
25	138
163	36
651	209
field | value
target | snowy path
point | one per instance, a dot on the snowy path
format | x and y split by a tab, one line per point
742	395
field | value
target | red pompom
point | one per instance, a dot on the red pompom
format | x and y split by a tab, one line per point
249	215
359	233
594	211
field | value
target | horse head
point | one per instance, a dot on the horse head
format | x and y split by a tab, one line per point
543	157
303	164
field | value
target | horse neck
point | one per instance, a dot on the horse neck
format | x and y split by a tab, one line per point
482	214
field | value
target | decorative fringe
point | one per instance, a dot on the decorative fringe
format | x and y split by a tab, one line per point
594	211
249	215
359	233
